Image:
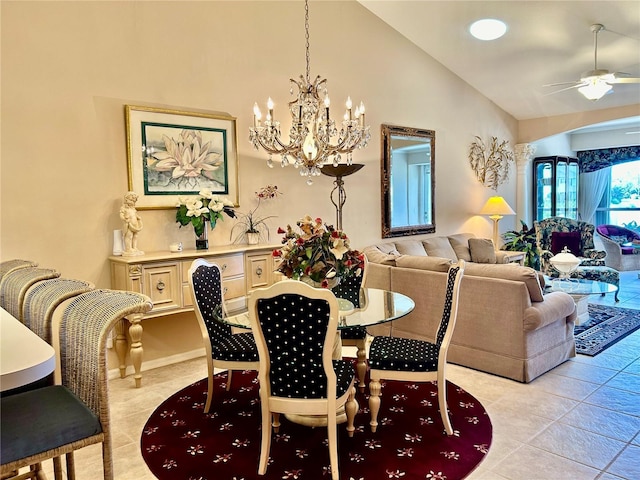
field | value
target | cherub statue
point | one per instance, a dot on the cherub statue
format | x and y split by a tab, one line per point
132	225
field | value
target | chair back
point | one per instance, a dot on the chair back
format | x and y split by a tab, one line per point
15	284
81	327
545	229
295	329
44	297
205	280
450	312
350	288
11	265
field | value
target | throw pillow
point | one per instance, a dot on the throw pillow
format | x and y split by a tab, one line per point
571	240
439	247
374	255
482	250
620	239
460	244
436	264
411	247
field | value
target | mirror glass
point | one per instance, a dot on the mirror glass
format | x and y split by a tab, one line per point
408	181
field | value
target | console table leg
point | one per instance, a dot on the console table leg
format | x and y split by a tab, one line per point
135	331
121	347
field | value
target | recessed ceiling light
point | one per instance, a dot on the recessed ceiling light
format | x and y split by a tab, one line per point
488	29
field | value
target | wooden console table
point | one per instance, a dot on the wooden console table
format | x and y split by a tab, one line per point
163	277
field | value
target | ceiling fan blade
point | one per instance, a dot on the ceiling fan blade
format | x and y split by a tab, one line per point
625	80
577	85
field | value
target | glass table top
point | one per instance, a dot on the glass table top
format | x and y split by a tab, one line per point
578	286
377	306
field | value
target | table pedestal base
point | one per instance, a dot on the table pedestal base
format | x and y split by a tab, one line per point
582	308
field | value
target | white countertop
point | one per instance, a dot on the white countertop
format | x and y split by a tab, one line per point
24	356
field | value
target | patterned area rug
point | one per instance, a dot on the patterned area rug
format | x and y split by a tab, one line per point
179	441
606	326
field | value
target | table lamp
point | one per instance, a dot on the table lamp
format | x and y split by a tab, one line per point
496	208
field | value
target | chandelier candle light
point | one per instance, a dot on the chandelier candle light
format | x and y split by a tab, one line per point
312	129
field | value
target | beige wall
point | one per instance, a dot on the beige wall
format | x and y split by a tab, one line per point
68	68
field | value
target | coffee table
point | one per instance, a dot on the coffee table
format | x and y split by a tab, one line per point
579	289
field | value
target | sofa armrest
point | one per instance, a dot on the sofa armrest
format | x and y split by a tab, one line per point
556	305
378	276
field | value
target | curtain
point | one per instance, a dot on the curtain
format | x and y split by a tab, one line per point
592	187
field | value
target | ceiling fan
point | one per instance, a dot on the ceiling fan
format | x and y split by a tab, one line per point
596	83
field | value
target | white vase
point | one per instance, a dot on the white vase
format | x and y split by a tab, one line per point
118	242
253	238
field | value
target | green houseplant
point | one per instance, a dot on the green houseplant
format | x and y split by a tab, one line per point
523	240
252	228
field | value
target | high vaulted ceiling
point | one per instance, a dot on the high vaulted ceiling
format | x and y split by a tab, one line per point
546	42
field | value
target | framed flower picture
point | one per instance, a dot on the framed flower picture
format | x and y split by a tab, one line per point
175	153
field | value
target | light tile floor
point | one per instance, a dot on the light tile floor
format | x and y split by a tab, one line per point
579	421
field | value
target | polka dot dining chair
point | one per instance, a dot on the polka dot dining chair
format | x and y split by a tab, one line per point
405	359
350	288
224	349
295	326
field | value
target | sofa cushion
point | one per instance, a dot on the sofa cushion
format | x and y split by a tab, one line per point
460	244
436	264
375	255
513	272
439	247
411	247
571	240
482	250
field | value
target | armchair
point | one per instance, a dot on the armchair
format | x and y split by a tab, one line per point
554	233
617	243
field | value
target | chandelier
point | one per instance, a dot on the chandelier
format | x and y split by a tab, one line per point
312	129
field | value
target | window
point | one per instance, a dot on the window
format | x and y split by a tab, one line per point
620	204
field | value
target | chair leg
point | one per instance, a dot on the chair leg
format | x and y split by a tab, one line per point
276	422
361	366
207	405
229	375
442	404
57	468
71	466
332	435
351	408
265	446
374	402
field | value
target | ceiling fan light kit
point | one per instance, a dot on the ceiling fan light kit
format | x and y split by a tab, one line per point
595	84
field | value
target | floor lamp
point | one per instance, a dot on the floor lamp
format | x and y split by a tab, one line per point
339	171
496	208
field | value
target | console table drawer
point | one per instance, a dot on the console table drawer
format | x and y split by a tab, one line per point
230	265
161	283
233	288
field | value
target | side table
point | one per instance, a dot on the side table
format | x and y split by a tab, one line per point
515	257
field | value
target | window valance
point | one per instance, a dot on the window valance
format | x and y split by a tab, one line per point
592	160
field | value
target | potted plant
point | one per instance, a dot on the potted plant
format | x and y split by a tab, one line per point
523	240
251	226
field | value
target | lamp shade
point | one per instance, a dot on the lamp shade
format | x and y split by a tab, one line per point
496	206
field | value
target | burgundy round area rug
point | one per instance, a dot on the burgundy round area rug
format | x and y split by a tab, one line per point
179	441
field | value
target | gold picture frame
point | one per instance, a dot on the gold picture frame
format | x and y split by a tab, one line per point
177	153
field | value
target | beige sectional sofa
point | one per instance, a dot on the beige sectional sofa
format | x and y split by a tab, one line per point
505	326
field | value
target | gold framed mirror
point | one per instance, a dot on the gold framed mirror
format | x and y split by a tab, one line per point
407	181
